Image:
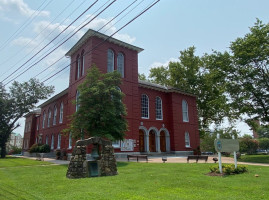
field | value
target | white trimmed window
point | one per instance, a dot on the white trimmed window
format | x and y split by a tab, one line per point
144	106
78	67
37	126
70	141
54	115
185	111
47	140
116	144
82	63
158	108
59	141
77	100
61	113
120	64
49	118
110	60
52	142
44	119
187	139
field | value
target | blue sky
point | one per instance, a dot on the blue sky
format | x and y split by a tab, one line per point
167	28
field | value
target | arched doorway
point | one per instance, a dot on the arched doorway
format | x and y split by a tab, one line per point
162	141
141	141
152	141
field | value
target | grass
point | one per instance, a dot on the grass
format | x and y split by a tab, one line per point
255	158
17	162
135	181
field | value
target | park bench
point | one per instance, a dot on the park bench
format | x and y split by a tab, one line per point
197	157
40	156
137	157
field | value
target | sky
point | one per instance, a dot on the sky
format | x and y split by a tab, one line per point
163	31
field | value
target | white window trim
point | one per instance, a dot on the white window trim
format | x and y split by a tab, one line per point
54	115
59	141
52	142
113	61
70	141
44	119
77	98
141	107
116	144
120	55
49	118
83	64
187	134
187	111
61	113
161	108
78	67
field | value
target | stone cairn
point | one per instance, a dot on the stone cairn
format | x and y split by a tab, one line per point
107	165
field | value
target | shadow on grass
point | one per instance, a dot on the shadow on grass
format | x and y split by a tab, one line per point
122	164
9	157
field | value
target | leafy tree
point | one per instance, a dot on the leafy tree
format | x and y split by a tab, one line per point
264	143
263	131
248	74
201	77
20	99
142	77
248	145
101	111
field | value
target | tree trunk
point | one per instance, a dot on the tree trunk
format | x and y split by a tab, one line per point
3	149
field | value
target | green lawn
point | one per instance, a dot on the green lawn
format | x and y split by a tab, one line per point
255	158
16	162
135	181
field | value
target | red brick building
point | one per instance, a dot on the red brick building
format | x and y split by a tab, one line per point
161	119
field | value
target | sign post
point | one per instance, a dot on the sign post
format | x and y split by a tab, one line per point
235	158
219	146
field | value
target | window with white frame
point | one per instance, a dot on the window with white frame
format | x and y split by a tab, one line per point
44	119
54	115
82	63
37	126
61	113
158	108
77	100
120	64
52	141
187	139
70	141
185	111
59	141
47	140
49	118
110	60
116	144
144	106
78	67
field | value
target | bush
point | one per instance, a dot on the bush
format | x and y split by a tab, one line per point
16	150
229	169
34	148
248	145
264	143
37	148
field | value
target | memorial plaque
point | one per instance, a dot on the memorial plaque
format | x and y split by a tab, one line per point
226	145
127	145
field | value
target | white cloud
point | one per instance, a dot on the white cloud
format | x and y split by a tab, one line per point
19	6
165	64
23	41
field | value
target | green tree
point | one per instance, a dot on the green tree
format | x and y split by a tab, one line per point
248	145
142	77
101	110
203	78
21	98
263	131
248	74
264	143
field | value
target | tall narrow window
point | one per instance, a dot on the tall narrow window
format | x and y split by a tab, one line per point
110	60
144	106
158	108
82	63
70	141
44	119
59	141
77	100
61	113
185	111
78	67
49	118
54	115
52	141
120	64
47	140
187	139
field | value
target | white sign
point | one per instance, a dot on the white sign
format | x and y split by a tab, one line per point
226	145
127	145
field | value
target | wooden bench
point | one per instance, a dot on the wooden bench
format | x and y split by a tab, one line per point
137	157
197	157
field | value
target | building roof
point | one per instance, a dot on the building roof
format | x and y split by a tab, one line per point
62	93
154	86
91	33
36	111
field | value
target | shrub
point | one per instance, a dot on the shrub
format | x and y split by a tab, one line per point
34	148
16	150
248	145
229	169
45	148
264	143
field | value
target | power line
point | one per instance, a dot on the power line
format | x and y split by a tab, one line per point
141	13
50	41
62	42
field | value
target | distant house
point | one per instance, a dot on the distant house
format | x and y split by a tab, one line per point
160	119
14	140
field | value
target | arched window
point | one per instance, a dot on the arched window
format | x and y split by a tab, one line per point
158	108
144	106
47	140
82	63
44	119
110	60
78	67
185	111
52	142
187	139
70	141
59	141
61	113
120	64
77	100
54	115
49	117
